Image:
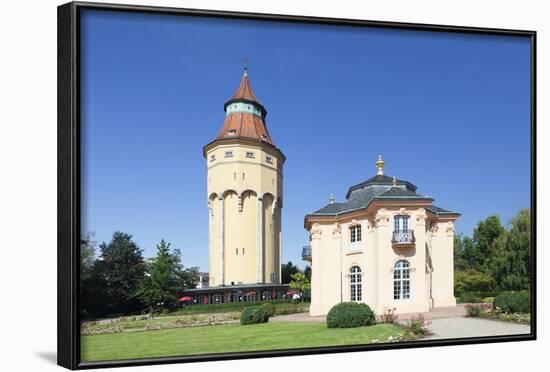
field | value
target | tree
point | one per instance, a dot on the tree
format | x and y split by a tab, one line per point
510	261
87	257
485	234
464	256
164	277
301	283
307	272
287	270
121	269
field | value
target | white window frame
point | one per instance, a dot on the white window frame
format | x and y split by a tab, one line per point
402	280
355	236
355	284
250	155
228	154
401	222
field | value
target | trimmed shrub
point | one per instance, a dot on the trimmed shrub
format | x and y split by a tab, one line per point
350	314
254	315
513	302
269	309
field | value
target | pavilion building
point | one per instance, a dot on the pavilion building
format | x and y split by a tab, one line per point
386	246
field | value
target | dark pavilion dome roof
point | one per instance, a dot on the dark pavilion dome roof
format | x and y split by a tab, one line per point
379	187
245	116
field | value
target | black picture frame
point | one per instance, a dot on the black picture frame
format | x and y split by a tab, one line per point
68	334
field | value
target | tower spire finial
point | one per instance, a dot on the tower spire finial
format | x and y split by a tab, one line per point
380	166
246	61
331	199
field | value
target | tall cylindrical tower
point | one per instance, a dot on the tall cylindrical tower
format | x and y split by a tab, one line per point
245	195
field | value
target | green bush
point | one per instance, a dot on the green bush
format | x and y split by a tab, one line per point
472	281
254	315
513	302
478	310
350	314
269	309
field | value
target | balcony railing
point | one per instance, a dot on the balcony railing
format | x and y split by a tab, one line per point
306	253
403	238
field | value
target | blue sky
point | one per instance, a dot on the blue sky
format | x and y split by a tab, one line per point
449	112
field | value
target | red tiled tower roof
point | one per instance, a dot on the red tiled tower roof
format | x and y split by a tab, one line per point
245	90
245	116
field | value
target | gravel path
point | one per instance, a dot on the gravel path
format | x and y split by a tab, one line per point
473	327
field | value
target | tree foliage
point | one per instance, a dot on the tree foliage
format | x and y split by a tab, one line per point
165	277
300	282
495	258
121	268
510	262
287	270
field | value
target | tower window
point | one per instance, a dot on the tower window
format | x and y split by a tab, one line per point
212	157
232	132
269	159
243	250
243	176
237	251
234	176
229	154
250	154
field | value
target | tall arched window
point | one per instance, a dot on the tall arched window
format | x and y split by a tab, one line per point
355	283
402	280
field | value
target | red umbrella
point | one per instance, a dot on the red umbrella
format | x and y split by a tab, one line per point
185	299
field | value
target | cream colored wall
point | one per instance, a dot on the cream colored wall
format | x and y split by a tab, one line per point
248	219
442	258
333	256
326	268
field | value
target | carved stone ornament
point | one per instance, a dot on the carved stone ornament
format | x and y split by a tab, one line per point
434	228
315	231
450	230
336	230
382	218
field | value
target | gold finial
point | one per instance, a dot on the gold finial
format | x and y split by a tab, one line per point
331	199
380	166
394	182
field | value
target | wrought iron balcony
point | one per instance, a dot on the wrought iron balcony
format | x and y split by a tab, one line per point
306	253
403	238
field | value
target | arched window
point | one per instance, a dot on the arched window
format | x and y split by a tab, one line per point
355	284
402	280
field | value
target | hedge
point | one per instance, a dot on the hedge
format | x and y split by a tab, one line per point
350	314
227	307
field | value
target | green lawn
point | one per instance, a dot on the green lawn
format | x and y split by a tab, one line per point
227	338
